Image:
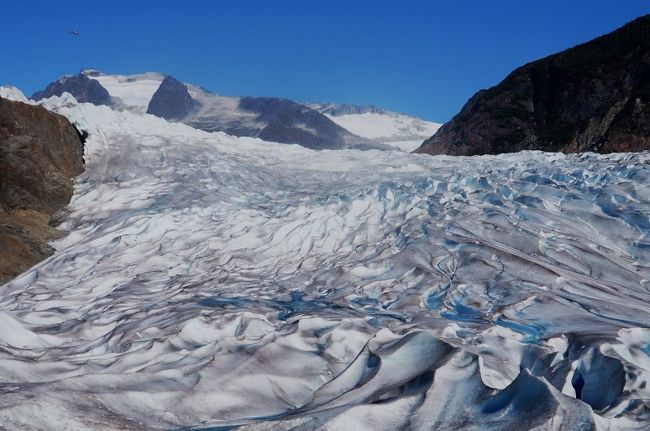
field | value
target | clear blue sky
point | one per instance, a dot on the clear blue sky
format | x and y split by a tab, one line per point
424	58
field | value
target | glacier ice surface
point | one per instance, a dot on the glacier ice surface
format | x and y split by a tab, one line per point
214	281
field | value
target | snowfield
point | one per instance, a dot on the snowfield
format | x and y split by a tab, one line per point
390	128
213	281
399	131
133	91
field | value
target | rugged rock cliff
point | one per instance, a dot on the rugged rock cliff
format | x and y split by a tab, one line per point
593	97
40	153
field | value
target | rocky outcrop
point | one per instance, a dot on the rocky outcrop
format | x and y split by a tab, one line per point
84	89
172	100
593	97
40	153
288	122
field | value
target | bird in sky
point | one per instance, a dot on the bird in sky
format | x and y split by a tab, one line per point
74	32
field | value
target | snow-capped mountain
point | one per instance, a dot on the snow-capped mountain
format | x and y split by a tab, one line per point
215	281
268	118
272	119
397	130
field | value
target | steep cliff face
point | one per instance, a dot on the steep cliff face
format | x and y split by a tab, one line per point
593	97
40	153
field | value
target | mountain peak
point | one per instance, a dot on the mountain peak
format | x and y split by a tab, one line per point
172	100
83	88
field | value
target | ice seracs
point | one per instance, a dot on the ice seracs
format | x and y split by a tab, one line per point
12	93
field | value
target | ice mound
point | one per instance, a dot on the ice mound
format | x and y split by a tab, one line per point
12	93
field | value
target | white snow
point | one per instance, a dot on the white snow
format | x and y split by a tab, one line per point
397	130
220	110
134	91
12	93
406	145
385	127
56	102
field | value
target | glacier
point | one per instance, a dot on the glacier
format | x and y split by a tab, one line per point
214	282
396	130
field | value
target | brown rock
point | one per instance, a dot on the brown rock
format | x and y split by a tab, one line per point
40	154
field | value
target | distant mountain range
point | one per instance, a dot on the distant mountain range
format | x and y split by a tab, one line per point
593	97
314	125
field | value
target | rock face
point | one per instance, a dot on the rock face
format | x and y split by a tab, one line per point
83	88
40	153
172	100
288	122
593	97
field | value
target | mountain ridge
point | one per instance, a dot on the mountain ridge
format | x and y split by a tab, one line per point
268	118
591	97
83	88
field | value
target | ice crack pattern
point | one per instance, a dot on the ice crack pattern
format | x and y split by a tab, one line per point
209	281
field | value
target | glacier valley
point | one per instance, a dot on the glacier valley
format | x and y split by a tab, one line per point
214	282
